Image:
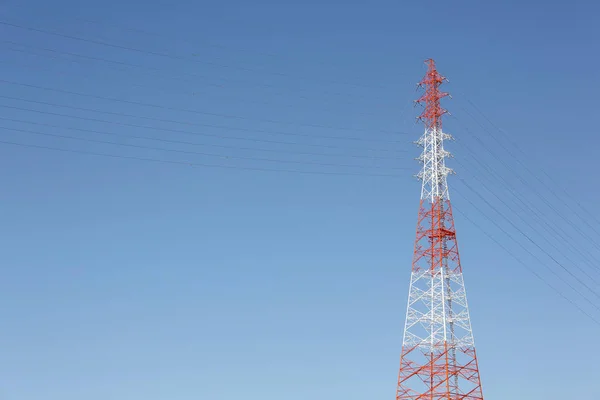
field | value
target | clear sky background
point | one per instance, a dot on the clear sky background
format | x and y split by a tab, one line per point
282	273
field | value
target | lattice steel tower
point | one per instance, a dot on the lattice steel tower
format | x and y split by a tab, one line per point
438	352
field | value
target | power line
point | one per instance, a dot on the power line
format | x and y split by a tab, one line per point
173	150
519	243
313	173
560	232
184	163
532	209
269	131
182	39
178	77
589	214
542	198
192	164
530	226
163	55
177	141
229	116
555	232
158	54
526	249
185	131
529	239
538	276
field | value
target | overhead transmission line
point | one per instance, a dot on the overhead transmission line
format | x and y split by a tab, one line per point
294	152
191	164
533	209
225	127
246	168
543	199
54	33
536	176
548	241
181	76
206	134
520	261
529	239
579	280
528	209
535	243
565	236
194	42
209	165
186	59
153	53
175	142
532	241
214	114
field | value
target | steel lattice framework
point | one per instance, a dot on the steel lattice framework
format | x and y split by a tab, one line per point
438	351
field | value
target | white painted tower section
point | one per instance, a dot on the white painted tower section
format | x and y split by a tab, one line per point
434	172
437	310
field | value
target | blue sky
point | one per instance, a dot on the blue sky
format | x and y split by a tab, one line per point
126	279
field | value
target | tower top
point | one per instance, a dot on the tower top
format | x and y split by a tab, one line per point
434	171
431	82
